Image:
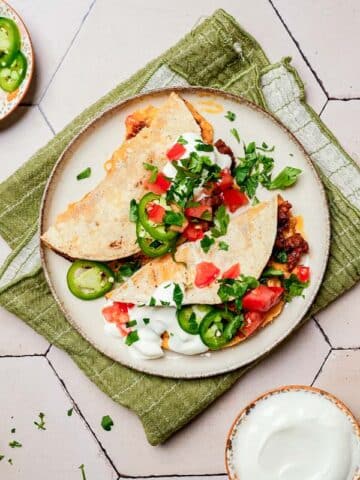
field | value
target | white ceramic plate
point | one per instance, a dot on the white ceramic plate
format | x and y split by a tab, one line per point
301	403
95	145
9	101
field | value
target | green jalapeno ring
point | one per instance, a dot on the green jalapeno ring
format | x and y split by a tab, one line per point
89	280
12	76
150	246
218	327
156	231
190	317
9	41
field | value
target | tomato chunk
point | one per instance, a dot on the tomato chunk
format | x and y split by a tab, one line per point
156	213
233	272
176	152
303	273
262	298
160	186
118	313
253	321
206	273
193	232
226	180
234	199
198	211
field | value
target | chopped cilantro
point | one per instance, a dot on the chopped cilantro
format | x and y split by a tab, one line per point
146	321
154	171
265	148
126	270
70	412
10	461
235	134
1	457
107	423
152	302
174	218
206	243
221	222
272	272
15	444
133	215
164	303
13	430
223	246
132	323
41	423
84	174
286	178
204	147
281	256
235	289
132	338
182	140
230	116
255	201
294	287
83	474
206	216
178	295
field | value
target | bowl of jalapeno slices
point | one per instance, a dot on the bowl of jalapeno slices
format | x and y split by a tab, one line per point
16	59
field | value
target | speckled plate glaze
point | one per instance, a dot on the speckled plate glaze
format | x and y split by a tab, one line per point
9	101
251	408
95	144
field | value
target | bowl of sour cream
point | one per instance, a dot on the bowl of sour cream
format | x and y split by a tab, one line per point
294	433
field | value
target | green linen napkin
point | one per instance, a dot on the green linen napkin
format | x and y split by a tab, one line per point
217	53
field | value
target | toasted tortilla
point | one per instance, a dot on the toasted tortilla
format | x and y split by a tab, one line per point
250	236
98	227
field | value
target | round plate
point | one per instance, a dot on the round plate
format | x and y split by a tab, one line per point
94	146
289	391
9	101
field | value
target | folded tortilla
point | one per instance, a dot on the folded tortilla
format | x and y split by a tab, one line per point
250	236
98	227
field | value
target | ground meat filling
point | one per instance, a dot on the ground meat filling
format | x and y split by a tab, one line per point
221	147
286	240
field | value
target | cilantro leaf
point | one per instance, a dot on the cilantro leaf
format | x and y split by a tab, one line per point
154	171
272	272
174	218
230	116
107	423
235	289
152	302
281	256
84	174
41	423
235	134
132	338
70	412
294	287
126	270
221	222
206	243
223	246
133	215
1	457
15	444
178	295
13	430
204	147
83	474
286	178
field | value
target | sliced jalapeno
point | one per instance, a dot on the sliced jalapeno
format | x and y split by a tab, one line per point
158	232
9	41
12	76
89	280
190	317
150	246
218	327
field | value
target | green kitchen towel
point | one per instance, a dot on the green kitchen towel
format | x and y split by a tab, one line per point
217	53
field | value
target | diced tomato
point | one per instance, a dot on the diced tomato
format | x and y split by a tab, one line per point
197	212
193	232
233	272
206	273
176	152
253	321
160	186
226	180
302	272
262	298
156	213
118	313
234	199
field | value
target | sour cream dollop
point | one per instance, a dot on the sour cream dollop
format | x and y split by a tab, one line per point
297	435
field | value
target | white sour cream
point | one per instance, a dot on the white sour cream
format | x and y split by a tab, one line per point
297	435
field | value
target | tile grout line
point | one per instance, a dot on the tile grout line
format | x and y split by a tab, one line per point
344	99
299	48
46	119
77	408
322	331
323	108
67	50
321	367
26	355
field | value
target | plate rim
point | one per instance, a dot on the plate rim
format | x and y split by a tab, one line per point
27	86
179	90
268	393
